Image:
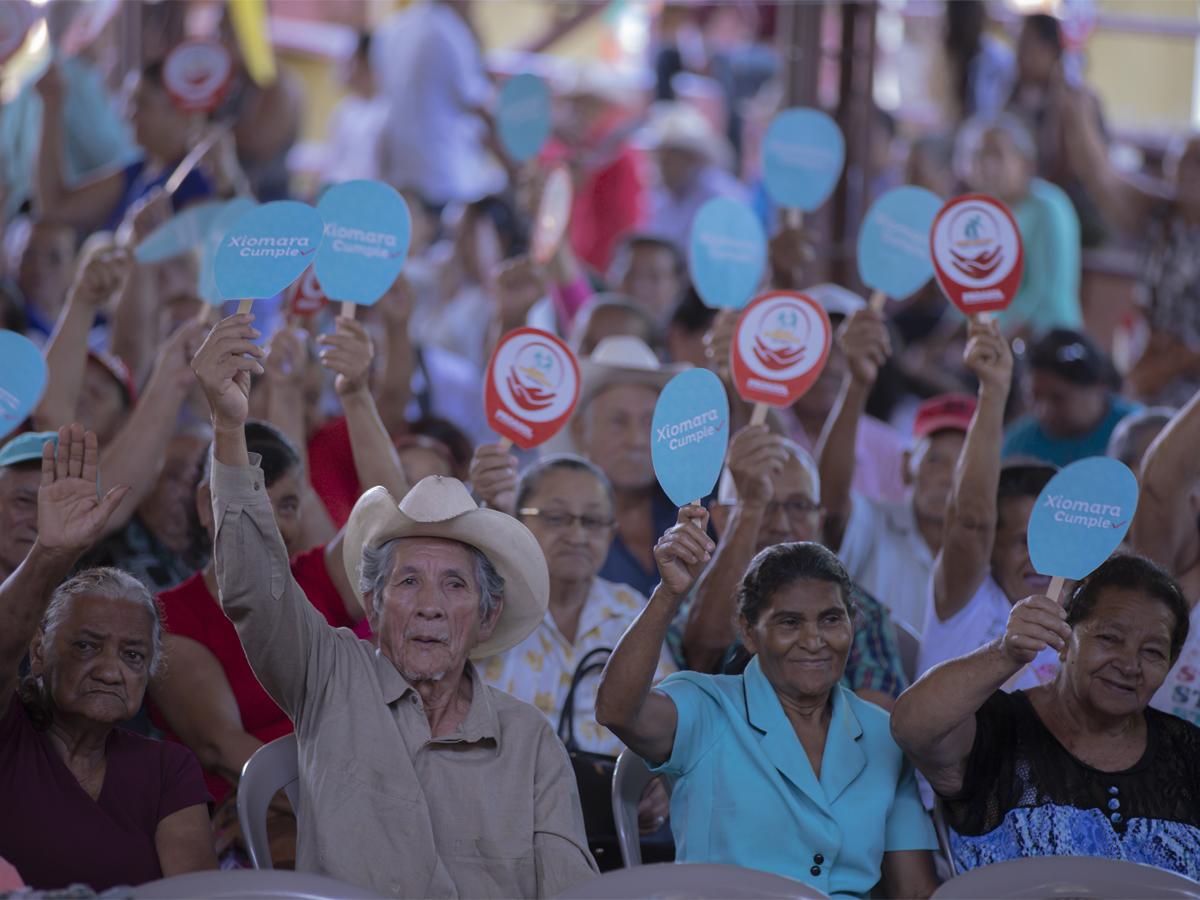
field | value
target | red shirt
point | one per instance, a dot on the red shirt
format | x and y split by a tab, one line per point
331	469
609	204
190	611
55	834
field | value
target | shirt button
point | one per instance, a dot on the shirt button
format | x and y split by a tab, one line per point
256	485
818	858
815	870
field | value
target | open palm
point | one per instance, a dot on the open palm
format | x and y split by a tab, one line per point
71	515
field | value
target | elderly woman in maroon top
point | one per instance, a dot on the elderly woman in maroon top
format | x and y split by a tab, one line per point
83	800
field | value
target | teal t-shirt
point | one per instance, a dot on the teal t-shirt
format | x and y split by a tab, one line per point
1025	437
1049	293
745	794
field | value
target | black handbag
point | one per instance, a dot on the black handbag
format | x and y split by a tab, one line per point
593	772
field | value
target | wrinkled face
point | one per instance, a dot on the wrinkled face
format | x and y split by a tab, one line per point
101	405
613	431
158	127
286	494
97	661
166	511
429	617
931	470
802	638
999	169
652	279
1063	409
678	168
1011	567
46	266
1119	655
18	512
575	525
793	514
421	462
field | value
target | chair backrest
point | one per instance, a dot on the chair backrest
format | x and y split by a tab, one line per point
908	642
240	884
630	778
1067	876
272	768
702	881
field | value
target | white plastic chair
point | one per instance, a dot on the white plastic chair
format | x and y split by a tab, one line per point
1068	876
249	884
698	881
630	777
272	768
908	642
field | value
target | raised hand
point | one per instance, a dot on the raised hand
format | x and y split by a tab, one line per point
287	357
494	477
224	364
1033	625
173	363
684	550
71	515
791	252
146	215
348	352
988	356
519	284
101	275
718	340
865	340
756	458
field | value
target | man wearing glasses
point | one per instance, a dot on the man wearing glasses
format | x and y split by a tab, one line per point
770	493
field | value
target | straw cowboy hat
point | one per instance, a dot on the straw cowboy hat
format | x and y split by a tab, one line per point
678	125
440	507
623	359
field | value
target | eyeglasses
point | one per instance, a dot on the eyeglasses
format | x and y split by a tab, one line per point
795	510
560	521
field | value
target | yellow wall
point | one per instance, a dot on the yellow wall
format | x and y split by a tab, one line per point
1144	80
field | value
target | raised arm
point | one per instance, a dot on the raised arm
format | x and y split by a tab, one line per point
1164	526
86	205
394	390
135	456
71	517
966	551
348	353
494	477
756	457
642	718
102	274
287	642
865	340
934	720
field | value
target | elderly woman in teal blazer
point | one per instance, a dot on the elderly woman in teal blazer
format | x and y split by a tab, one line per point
779	768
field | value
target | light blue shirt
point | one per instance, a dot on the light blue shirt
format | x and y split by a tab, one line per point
744	792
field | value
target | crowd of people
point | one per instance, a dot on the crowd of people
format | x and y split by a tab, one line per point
220	528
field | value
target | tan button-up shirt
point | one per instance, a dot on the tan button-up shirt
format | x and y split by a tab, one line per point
492	811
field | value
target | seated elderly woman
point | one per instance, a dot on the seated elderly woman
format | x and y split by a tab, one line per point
1077	767
416	778
84	801
780	768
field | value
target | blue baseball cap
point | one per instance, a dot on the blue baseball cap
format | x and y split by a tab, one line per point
26	447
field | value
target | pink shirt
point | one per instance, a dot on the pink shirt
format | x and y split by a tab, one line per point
878	458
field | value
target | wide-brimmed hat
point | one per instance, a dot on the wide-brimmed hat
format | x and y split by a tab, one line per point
440	507
623	359
677	125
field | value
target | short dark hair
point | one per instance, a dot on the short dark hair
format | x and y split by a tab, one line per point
1131	572
636	239
1023	478
1046	29
690	314
783	564
1074	357
279	454
532	477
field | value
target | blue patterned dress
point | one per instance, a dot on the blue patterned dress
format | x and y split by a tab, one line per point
1025	795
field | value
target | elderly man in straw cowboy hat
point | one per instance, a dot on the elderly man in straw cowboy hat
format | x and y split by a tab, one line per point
416	779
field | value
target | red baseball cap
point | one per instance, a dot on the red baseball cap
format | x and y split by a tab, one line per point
942	413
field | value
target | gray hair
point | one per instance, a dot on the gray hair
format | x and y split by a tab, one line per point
378	563
109	584
1122	444
971	134
532	477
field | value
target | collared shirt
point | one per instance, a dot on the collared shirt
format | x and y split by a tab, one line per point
622	567
884	552
745	793
671	214
539	670
491	811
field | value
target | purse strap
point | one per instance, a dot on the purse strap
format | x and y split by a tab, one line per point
593	661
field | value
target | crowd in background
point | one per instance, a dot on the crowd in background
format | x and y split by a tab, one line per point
849	627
